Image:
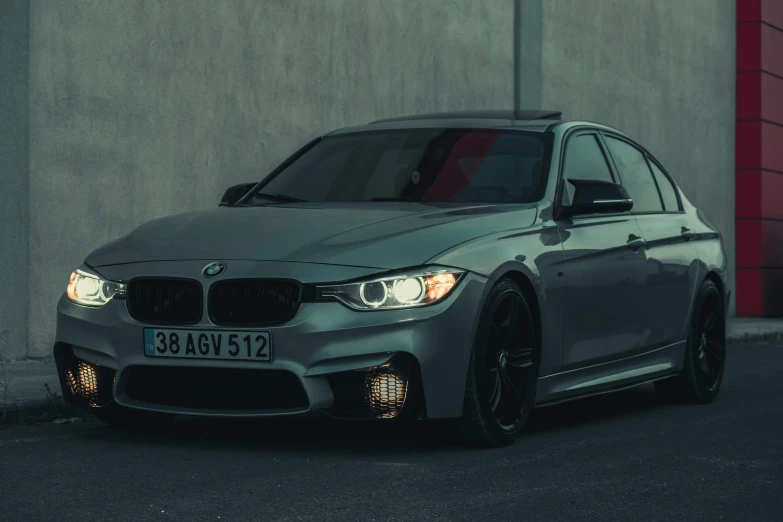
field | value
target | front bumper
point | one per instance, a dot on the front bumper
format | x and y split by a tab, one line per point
324	347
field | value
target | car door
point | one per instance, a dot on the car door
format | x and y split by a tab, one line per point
670	268
604	262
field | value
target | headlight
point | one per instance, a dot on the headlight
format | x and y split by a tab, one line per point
90	290
401	291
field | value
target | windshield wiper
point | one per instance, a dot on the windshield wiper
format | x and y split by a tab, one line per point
391	199
278	197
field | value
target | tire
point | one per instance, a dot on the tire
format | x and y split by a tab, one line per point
705	352
504	360
129	418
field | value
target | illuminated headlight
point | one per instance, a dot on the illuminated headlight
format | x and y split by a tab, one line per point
401	291
90	290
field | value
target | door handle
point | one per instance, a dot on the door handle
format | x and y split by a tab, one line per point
687	234
634	242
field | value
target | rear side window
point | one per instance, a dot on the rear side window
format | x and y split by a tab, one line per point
670	202
635	175
584	160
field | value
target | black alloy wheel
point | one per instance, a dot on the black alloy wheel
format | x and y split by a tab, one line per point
503	369
509	360
711	350
705	352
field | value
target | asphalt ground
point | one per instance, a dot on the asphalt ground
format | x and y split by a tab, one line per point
624	456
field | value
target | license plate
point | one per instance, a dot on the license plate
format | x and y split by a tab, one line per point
208	344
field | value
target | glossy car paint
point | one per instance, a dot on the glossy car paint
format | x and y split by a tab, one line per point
387	235
323	337
613	293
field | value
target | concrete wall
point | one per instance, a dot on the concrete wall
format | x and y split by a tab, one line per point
663	71
14	217
140	109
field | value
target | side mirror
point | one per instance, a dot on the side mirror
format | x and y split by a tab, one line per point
597	197
235	193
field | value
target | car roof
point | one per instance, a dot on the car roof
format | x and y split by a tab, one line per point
528	120
533	120
515	115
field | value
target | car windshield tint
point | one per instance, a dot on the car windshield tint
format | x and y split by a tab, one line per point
443	165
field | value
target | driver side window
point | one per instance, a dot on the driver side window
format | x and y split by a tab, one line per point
584	160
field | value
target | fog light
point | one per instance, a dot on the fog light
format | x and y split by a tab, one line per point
88	380
387	395
70	380
84	382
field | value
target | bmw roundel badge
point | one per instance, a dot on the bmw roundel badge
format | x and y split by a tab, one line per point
213	269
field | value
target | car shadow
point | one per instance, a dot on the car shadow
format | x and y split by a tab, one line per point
326	436
315	436
599	409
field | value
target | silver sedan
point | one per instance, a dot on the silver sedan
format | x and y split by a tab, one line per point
463	266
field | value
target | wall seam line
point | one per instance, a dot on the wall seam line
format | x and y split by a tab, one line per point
760	169
778	76
762	22
760	120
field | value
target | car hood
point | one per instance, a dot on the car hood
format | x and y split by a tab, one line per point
379	234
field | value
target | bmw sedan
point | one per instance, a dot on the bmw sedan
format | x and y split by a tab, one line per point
464	266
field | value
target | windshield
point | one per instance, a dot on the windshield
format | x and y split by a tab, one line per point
438	165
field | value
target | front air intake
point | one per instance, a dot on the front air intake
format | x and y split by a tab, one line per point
212	388
85	382
383	392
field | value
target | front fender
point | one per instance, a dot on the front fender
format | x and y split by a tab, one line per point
534	253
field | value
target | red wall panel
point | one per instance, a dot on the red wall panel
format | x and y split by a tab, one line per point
749	293
759	194
759	291
759	48
759	158
758	244
770	11
759	146
759	95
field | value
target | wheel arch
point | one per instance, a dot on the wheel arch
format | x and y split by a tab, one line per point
543	290
531	296
713	276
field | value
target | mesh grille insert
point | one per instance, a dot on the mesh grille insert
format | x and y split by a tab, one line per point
387	394
86	382
370	394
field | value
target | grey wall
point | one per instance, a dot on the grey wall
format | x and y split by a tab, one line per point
138	109
141	109
664	72
14	47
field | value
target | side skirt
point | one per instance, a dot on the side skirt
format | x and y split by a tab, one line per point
611	376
